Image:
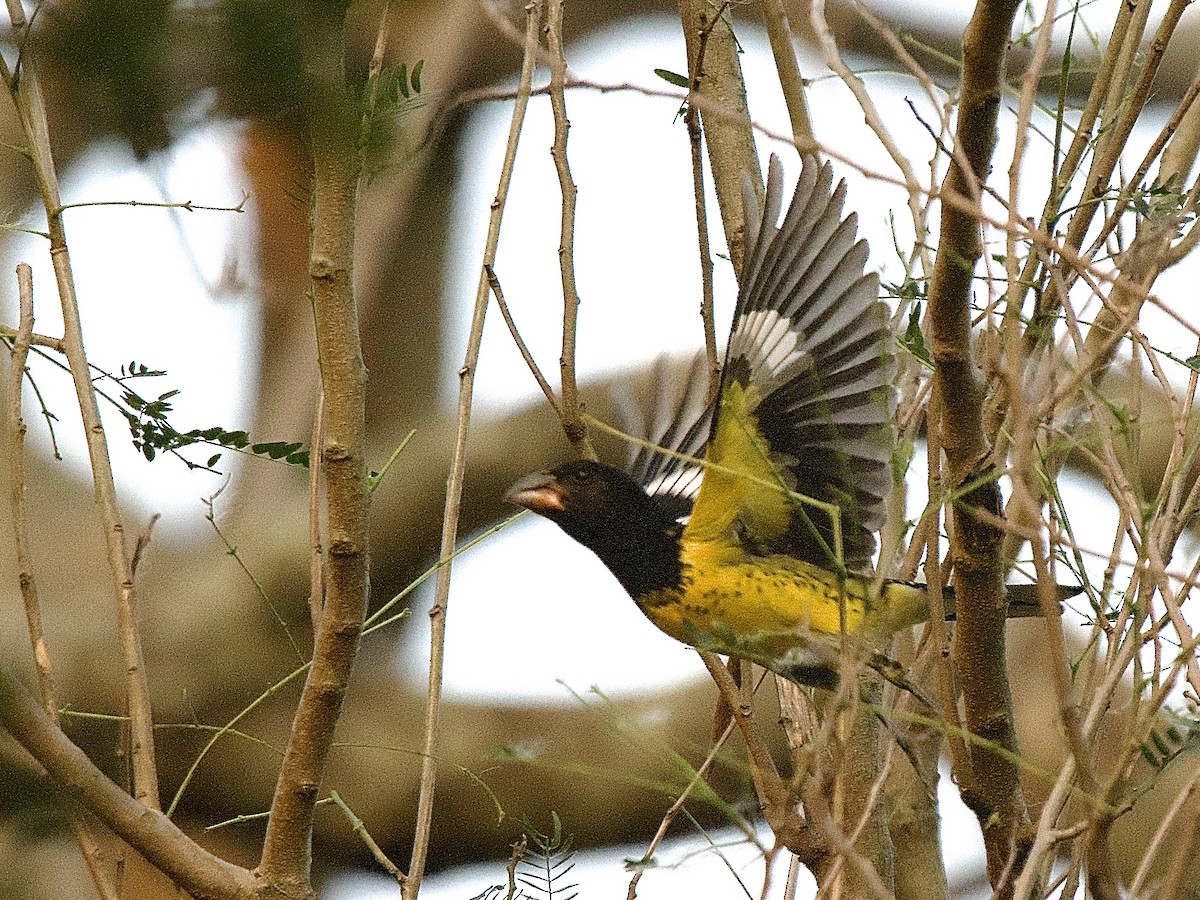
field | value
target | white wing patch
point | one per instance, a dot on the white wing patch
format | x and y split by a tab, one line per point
772	346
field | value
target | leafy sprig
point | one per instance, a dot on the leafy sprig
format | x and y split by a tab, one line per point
153	433
388	95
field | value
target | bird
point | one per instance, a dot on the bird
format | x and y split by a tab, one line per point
724	556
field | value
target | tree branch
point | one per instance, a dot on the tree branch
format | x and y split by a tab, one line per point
991	788
731	148
454	486
155	836
286	848
31	107
572	422
89	849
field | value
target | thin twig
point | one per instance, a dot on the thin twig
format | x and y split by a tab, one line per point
961	202
186	205
89	848
675	809
964	203
376	478
31	109
921	246
1134	181
142	544
1027	496
534	368
16	484
1120	115
1150	855
156	837
231	550
874	120
365	836
316	548
692	120
437	613
776	801
1182	860
1066	168
572	423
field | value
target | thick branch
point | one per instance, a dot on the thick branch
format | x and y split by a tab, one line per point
286	850
730	138
992	788
154	835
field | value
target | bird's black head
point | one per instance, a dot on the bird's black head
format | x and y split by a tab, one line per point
577	493
608	512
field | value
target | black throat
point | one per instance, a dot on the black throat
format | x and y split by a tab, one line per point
643	555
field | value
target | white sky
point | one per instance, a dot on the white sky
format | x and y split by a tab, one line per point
150	282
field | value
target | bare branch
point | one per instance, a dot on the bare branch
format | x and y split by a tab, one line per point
777	804
779	33
437	613
572	423
157	838
991	787
725	114
530	362
31	108
286	848
89	848
692	119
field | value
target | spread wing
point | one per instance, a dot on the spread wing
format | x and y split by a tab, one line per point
806	400
679	419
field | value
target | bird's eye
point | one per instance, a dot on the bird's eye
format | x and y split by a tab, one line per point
581	476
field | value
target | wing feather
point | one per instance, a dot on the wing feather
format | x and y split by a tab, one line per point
679	419
806	400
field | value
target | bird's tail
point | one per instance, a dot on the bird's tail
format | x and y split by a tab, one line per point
1023	599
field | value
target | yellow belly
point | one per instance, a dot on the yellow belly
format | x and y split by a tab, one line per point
774	606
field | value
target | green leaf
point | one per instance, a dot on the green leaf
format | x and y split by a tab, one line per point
913	340
416	75
275	449
680	81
